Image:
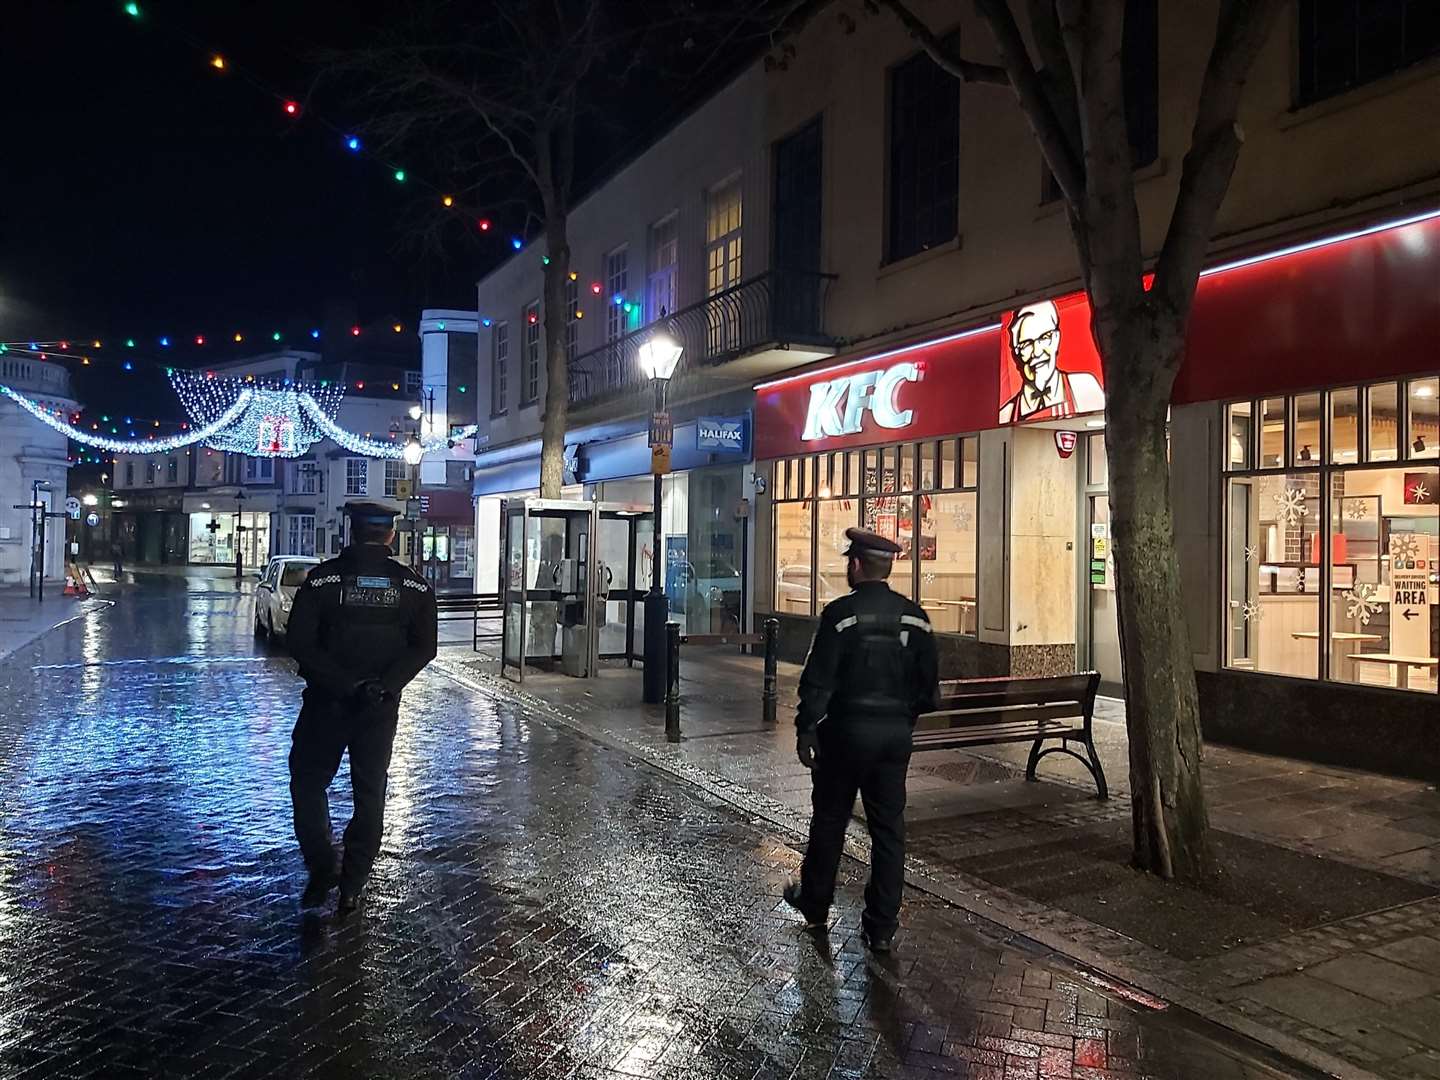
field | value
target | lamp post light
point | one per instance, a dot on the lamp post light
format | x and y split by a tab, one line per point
658	356
239	531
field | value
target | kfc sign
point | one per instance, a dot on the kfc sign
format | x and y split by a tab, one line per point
838	407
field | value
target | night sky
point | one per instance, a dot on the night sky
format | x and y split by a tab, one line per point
143	193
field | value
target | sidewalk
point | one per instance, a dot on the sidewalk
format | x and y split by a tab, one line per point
23	618
1321	938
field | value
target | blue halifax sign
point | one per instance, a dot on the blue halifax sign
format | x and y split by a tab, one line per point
720	433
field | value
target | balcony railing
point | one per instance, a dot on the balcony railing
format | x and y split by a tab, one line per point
779	307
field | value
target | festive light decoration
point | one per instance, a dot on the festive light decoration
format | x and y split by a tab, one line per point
199	339
315	334
239	337
447	201
129	342
595	287
397	327
133	10
354	331
484	224
352	144
292	108
276	335
516	243
368	447
400	176
274	422
217	62
55	419
165	342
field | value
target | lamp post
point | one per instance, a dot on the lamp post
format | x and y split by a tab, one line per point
239	529
658	356
412	453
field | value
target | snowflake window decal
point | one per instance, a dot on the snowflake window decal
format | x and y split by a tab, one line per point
1404	546
1290	504
1251	611
1419	492
1357	510
1360	603
1250	552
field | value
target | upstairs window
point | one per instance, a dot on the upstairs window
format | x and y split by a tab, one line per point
1347	43
660	288
531	383
617	280
924	157
500	370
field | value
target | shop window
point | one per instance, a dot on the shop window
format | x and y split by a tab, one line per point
892	516
1423	396
1382	417
833	517
1238	422
660	287
947	560
970	462
1306	445
906	467
1272	433
852	473
1383	549
929	461
1345	426
805	468
172	470
1097	465
1368	538
1273	605
949	449
793	569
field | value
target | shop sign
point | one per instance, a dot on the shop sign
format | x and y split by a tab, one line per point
662	431
839	406
72	508
659	460
1065	444
92	519
720	433
1049	366
1409	605
1099	541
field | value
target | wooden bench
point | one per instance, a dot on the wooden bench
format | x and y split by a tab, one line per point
984	712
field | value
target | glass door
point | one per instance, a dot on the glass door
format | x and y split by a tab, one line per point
1104	621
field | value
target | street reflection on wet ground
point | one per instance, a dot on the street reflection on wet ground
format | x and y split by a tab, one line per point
543	906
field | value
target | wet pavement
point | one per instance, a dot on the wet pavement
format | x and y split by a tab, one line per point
544	905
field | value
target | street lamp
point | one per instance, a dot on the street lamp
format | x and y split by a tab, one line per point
239	529
413	450
658	355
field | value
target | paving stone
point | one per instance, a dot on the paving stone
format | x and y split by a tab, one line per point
1420	953
1311	1000
1376	978
544	906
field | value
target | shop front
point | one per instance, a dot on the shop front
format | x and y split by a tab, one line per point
706	500
219	525
1305	440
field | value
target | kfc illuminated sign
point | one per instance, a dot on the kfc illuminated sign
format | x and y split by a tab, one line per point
838	407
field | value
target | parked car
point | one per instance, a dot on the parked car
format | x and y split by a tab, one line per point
276	592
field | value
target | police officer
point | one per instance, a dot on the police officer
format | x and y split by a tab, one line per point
362	627
871	671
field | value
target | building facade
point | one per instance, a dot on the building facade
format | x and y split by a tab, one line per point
961	407
31	452
963	413
679	238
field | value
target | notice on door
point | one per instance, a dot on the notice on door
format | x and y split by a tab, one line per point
1409	606
1099	541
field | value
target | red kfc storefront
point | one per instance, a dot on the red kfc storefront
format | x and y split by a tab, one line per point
1305	448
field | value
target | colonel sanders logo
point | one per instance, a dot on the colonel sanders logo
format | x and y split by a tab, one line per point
1047	391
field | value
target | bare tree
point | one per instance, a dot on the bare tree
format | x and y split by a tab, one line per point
1071	91
505	85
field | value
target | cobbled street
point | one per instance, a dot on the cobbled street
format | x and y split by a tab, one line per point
543	906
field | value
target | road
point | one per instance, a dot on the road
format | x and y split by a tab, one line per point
543	906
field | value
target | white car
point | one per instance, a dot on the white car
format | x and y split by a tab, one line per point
276	592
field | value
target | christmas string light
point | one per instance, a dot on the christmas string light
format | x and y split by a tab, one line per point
368	447
126	446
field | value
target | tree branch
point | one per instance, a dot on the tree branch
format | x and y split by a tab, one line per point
1047	127
948	59
1214	146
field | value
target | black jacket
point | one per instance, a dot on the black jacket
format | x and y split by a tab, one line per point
873	657
362	616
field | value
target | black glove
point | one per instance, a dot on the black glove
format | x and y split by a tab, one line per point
807	747
371	692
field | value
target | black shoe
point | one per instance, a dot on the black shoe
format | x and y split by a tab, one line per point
814	917
348	904
317	889
881	944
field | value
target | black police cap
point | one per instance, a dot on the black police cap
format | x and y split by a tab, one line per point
370	513
864	540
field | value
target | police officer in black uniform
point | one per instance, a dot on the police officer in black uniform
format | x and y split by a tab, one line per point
362	627
871	671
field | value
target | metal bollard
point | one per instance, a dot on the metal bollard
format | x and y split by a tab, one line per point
672	682
772	649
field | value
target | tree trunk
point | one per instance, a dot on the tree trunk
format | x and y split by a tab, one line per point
555	313
1141	355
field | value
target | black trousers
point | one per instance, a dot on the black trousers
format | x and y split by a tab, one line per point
325	730
871	757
